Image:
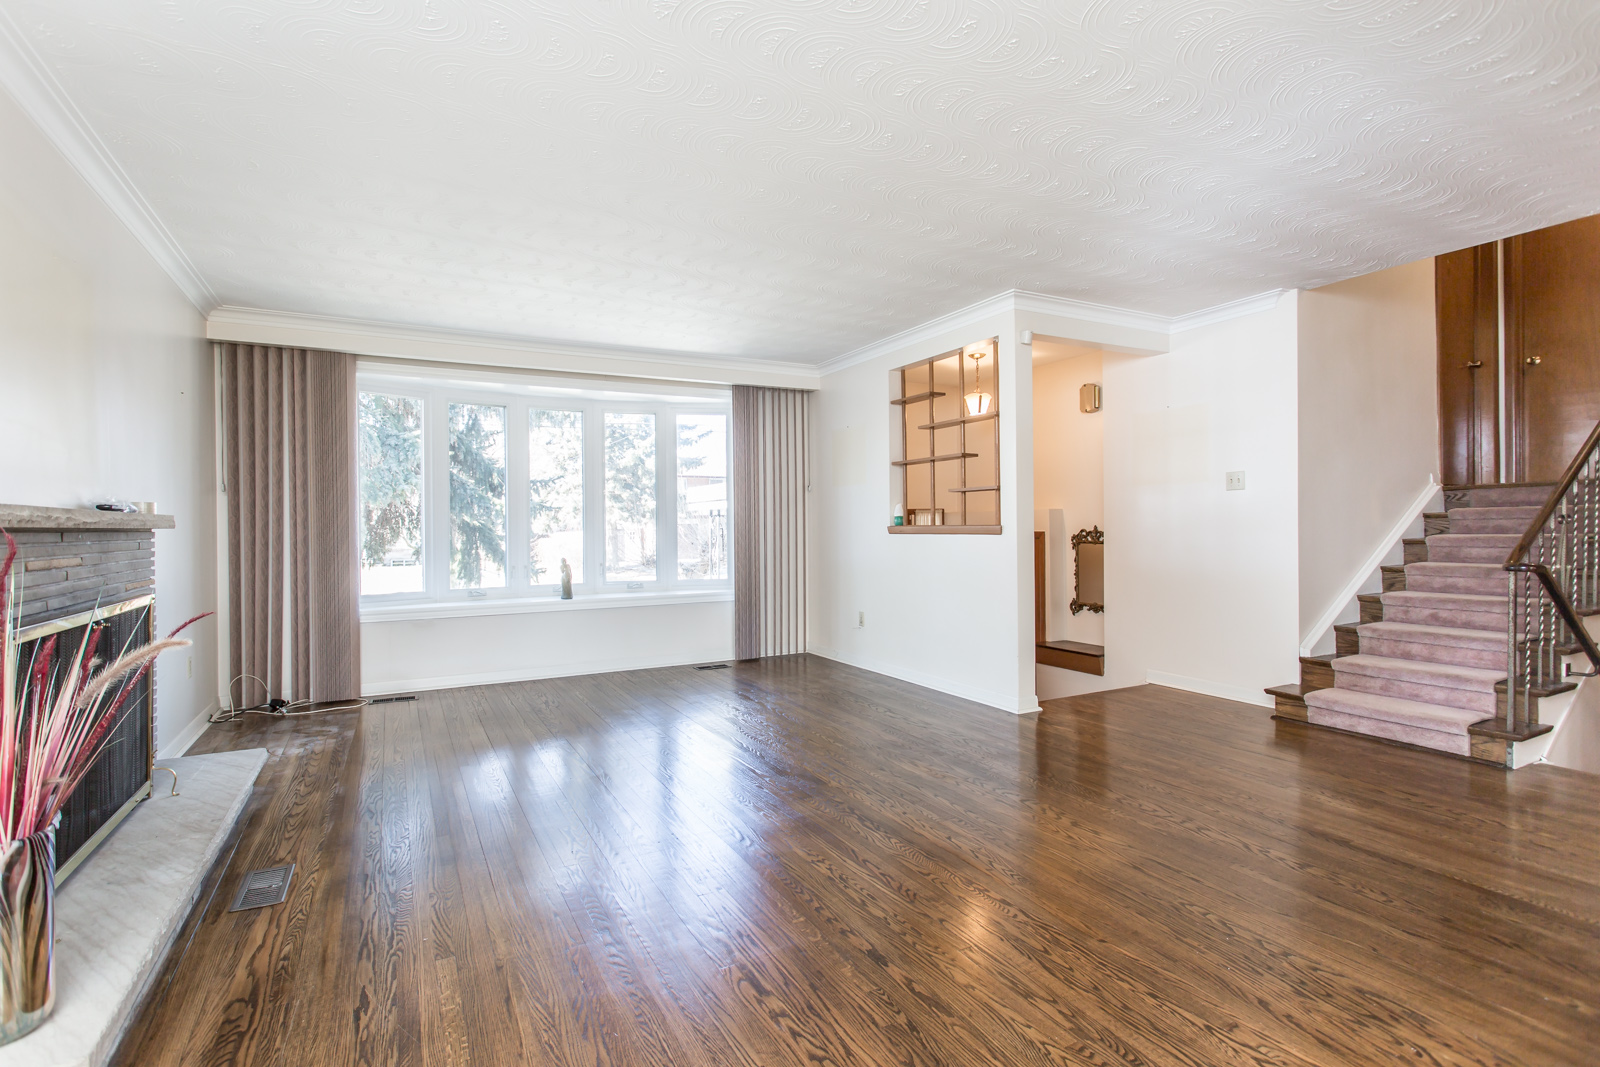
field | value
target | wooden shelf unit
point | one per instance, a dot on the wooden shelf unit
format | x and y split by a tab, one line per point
957	447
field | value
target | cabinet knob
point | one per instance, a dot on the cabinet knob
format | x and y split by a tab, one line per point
1475	364
1532	361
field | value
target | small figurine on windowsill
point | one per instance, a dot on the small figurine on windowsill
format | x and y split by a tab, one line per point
566	580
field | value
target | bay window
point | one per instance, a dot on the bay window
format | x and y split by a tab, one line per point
478	491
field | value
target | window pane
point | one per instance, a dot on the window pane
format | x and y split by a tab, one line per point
555	495
477	496
390	457
630	497
703	496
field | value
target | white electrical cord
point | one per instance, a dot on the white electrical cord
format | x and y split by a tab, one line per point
281	710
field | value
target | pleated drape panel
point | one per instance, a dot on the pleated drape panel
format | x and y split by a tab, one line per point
770	481
289	475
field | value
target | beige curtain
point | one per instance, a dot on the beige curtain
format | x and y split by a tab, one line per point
289	470
770	479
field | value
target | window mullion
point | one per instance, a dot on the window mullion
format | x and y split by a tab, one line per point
517	500
436	490
667	497
594	496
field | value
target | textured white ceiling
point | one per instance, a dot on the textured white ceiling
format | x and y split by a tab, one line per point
795	179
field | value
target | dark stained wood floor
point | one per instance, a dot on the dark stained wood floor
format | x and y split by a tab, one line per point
796	862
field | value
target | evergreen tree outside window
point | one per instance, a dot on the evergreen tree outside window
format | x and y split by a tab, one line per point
477	496
555	494
702	496
389	457
630	497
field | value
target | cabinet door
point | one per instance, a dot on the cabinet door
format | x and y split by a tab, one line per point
1552	279
1466	300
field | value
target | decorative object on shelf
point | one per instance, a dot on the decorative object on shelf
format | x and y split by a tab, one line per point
144	507
54	720
115	505
978	401
566	580
947	460
1088	571
1089	398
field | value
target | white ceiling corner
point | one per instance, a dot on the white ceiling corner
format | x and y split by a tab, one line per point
29	81
787	182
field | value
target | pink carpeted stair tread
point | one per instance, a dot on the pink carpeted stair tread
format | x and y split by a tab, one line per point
1469	688
1509	496
1439	740
1463	610
1491	520
1483	579
1464	647
1471	548
1449	675
1393	709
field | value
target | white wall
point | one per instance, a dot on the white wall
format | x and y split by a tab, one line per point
1068	496
557	641
108	391
952	612
1369	423
1202	584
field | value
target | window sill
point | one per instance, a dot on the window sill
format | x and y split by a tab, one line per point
453	609
944	529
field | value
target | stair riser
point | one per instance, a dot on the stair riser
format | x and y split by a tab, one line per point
1454	654
1456	744
1461	620
1466	699
1495	585
1469	522
1531	496
1449	553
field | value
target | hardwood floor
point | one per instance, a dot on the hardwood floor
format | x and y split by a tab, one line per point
796	862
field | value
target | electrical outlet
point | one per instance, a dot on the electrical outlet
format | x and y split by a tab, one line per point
861	620
191	666
1235	480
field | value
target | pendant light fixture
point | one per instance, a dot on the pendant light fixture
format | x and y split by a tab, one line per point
978	401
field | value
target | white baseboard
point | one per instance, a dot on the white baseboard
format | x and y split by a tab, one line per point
943	685
1243	694
523	674
1330	614
186	737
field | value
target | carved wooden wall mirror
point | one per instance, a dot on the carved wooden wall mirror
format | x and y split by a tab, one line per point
1088	570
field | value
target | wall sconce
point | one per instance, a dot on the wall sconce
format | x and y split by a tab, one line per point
1089	398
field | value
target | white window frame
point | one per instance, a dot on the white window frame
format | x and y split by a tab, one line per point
519	395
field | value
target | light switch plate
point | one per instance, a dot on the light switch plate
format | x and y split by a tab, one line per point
1235	480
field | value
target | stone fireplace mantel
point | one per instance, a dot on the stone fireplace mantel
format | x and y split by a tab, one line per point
16	517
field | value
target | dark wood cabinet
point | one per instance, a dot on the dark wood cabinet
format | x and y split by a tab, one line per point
1528	309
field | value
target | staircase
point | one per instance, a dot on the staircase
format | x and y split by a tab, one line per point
1427	663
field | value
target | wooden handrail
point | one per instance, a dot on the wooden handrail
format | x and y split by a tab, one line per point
1549	508
1563	606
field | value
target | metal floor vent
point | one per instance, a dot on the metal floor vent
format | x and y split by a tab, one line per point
713	667
263	888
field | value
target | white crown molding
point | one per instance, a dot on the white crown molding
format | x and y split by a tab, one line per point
1102	314
40	96
1233	309
1063	307
983	309
368	338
